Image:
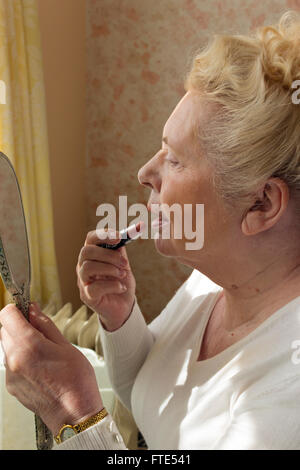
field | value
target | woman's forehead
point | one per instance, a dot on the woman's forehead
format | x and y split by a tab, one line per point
181	127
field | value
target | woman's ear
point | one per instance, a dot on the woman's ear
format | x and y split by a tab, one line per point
270	204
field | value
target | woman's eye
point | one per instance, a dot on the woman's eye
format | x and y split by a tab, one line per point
172	162
169	158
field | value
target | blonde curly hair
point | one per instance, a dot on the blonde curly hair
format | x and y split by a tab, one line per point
256	134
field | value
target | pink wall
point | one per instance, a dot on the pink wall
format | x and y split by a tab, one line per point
137	54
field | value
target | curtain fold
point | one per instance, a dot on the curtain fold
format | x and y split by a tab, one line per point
23	138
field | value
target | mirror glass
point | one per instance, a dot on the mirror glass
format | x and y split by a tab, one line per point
13	227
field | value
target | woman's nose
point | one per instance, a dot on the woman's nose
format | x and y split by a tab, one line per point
148	175
142	176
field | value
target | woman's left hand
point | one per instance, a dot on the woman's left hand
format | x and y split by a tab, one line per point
44	371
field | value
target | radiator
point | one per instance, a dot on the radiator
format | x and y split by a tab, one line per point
80	327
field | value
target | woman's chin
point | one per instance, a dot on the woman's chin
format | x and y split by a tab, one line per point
163	241
164	246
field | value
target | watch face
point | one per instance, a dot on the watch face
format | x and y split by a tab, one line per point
67	432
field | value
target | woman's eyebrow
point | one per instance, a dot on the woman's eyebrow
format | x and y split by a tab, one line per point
165	141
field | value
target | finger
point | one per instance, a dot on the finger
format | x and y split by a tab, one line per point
102	236
96	253
2	352
45	325
13	321
101	288
123	252
12	350
91	269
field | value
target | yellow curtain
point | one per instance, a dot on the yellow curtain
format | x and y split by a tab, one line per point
23	138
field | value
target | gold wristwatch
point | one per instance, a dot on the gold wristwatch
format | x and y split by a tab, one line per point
69	430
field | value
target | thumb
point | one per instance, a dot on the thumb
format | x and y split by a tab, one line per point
123	252
44	324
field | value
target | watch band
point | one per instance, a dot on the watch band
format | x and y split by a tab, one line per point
77	428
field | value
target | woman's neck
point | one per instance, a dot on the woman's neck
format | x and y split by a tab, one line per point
254	299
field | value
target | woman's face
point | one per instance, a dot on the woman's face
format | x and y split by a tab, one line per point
179	173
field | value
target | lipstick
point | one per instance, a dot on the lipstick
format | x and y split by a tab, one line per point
128	235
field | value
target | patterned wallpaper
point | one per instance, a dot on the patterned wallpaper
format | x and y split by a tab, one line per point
138	52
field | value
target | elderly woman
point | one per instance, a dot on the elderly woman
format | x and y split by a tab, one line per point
216	369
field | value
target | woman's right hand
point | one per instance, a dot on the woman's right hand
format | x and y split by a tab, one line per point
105	280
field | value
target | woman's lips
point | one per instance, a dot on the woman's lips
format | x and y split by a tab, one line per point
159	222
158	219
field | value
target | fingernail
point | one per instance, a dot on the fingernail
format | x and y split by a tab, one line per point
123	287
